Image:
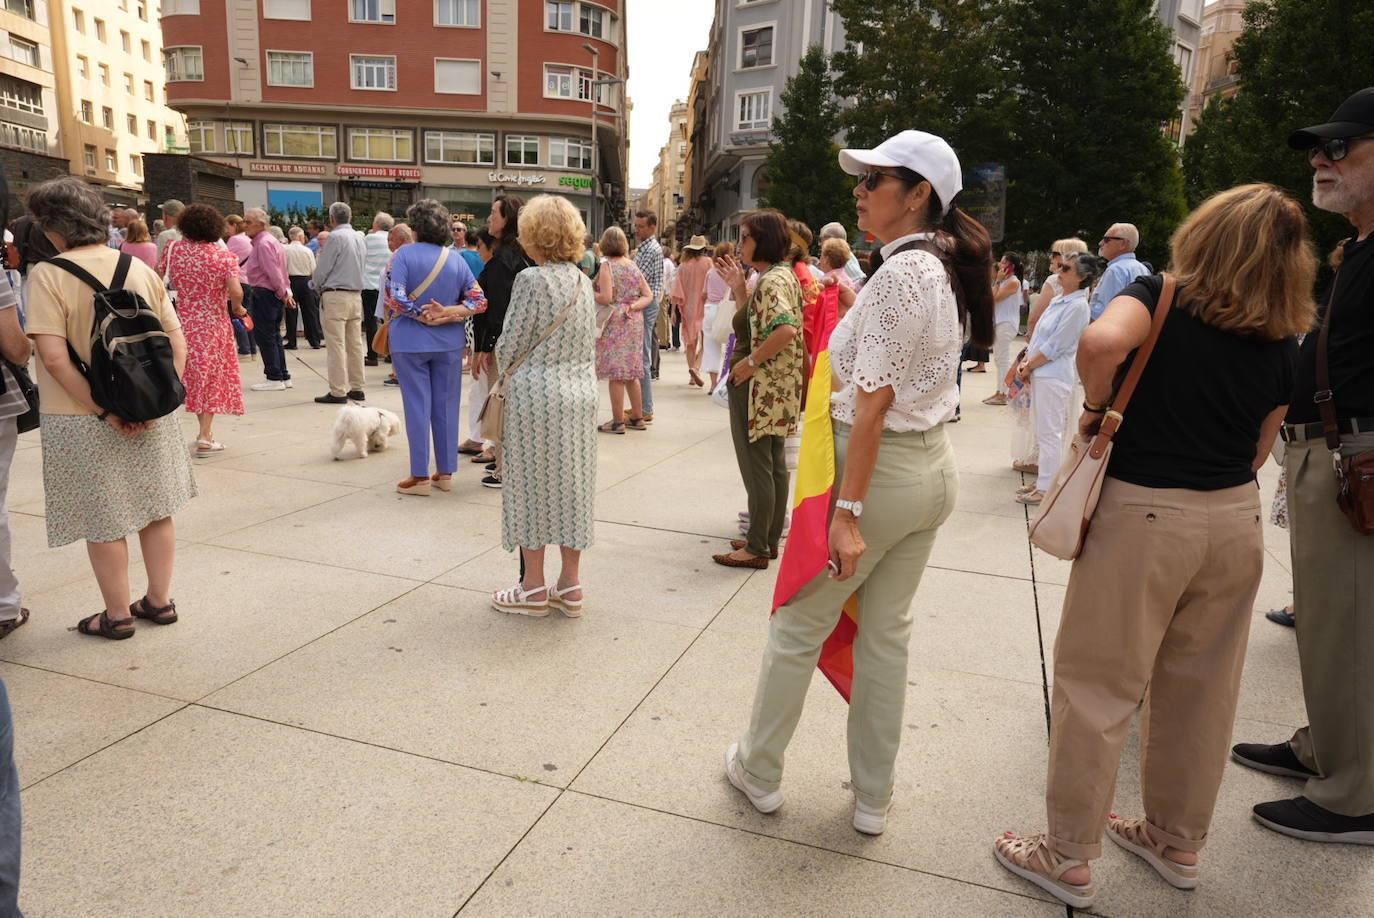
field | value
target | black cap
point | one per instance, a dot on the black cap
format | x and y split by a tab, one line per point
1355	116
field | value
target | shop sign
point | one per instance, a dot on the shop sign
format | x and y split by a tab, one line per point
391	172
288	168
575	181
516	178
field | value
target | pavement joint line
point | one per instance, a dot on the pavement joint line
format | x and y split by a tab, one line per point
58	672
112	743
273	519
281	557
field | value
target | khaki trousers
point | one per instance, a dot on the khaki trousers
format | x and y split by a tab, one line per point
343	337
913	491
1159	600
1333	593
763	469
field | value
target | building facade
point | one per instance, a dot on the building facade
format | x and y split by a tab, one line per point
380	102
1184	19
666	192
754	47
1215	73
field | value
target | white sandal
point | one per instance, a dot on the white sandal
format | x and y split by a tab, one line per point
571	608
208	448
1031	858
1132	835
519	601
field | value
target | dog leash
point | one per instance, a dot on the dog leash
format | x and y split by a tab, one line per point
298	359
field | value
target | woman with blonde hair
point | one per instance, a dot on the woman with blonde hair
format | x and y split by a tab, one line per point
547	348
1159	601
139	244
621	286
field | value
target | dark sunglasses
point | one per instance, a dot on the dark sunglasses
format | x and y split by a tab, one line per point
874	177
1111	239
1335	150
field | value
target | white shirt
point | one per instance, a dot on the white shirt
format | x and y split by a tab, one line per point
299	260
903	331
1008	308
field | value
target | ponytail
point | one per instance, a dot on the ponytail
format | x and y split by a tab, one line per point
970	261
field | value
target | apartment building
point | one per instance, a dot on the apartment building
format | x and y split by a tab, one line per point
665	196
29	122
1184	19
1215	74
381	102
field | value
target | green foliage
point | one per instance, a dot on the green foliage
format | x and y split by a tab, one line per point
295	215
804	177
1297	60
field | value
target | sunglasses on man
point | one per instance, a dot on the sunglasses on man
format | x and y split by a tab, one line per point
1334	150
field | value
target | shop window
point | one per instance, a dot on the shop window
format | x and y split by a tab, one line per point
459	77
381	145
460	148
522	150
306	140
290	68
373	72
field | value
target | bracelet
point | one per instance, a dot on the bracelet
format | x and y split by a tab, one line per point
1095	409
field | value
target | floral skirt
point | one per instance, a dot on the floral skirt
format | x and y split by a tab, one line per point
101	485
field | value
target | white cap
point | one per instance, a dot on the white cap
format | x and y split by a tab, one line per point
918	151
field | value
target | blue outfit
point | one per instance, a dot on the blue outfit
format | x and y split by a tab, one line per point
474	261
428	359
9	813
1057	334
1121	271
314	246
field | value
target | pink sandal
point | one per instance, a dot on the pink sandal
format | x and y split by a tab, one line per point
1031	858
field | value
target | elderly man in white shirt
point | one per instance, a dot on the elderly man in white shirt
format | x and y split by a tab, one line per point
300	265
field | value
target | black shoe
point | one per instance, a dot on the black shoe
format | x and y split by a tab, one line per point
1301	818
329	399
491	481
316	347
357	395
1274	760
391	381
369	361
288	347
491	467
1282	617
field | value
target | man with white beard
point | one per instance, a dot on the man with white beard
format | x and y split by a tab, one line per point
1333	564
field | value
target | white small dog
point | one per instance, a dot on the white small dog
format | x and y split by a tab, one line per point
367	428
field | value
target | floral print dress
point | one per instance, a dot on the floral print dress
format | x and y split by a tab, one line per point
620	349
198	272
775	390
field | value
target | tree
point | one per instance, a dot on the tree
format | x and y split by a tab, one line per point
1095	84
803	173
1297	60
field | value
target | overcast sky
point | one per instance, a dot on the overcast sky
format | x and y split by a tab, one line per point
664	37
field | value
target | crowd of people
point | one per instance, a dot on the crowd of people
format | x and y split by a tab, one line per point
536	313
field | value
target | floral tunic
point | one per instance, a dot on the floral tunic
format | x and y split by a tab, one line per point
775	390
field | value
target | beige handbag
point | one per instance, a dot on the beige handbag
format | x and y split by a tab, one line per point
723	325
1067	510
492	416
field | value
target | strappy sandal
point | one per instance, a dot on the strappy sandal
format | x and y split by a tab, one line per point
146	610
696	377
442	482
208	448
1134	836
1030	497
571	608
483	456
635	424
99	625
612	427
7	627
1031	858
519	601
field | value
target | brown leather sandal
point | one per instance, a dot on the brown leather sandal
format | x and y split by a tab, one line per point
100	625
146	610
8	626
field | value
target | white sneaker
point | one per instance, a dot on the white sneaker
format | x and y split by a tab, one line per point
271	385
763	801
870	820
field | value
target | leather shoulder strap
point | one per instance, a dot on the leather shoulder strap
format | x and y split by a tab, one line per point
433	273
553	327
1112	422
1326	405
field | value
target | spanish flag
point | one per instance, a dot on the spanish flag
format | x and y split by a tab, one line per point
808	544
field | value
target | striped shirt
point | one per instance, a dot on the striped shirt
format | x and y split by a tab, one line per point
378	254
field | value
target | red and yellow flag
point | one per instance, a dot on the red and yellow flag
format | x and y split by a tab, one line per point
808	543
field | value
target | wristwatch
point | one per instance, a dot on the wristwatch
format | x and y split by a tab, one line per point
855	507
750	361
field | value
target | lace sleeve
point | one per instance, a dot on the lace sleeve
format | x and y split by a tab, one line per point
890	330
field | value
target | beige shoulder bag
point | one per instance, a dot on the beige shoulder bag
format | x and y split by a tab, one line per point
1068	508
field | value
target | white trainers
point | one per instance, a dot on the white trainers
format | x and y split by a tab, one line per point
763	801
870	820
271	385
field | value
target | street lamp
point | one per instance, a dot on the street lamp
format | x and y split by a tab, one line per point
596	145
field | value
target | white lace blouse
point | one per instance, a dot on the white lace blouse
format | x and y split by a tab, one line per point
903	331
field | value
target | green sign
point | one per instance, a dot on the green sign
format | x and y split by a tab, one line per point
575	181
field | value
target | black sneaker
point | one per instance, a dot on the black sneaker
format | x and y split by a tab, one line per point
491	481
369	361
357	395
391	381
491	467
1273	760
1301	818
330	399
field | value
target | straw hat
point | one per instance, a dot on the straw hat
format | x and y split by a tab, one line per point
697	244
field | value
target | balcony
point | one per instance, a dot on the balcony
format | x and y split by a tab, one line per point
1221	83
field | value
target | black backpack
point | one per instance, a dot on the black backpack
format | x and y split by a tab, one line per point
131	370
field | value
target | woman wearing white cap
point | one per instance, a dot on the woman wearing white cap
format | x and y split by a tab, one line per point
895	356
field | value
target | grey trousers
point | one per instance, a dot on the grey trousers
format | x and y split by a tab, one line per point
10	600
646	386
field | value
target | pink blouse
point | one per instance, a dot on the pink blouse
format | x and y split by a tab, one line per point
144	251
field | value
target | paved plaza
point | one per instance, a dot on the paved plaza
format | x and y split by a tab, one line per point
340	724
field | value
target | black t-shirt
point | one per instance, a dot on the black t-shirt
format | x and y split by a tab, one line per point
1350	354
1194	421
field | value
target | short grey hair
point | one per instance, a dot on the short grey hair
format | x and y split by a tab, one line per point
69	208
1128	232
277	233
257	214
429	221
383	221
340	213
295	232
132	213
833	231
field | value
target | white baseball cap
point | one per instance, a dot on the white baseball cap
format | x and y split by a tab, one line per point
918	151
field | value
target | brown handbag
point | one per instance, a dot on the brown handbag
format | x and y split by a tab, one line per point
1354	474
381	341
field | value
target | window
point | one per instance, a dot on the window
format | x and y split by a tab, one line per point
570	153
147	51
23	51
87	111
372	72
88	157
100	29
79	23
182	63
286	9
21	95
565	16
290	68
756	47
131	124
753	111
143	10
459	77
381	144
107	117
560	16
522	150
458	13
83	67
1183	56
135	164
129	83
562	82
125	42
460	148
200	136
22	7
148	90
373	11
180	7
307	140
111	161
14	135
592	21
104	74
152	129
238	138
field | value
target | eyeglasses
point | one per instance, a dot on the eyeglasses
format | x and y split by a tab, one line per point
743	236
1112	239
1334	150
874	177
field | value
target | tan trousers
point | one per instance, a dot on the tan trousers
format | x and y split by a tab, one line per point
913	491
1158	605
343	337
1333	593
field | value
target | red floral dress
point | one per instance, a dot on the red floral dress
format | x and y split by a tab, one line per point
198	272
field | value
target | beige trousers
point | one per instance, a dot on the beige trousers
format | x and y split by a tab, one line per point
1333	593
1158	605
342	312
913	491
